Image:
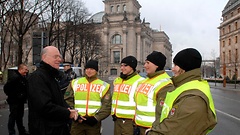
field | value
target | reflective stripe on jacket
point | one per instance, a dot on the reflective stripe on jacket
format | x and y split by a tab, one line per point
172	96
123	105
145	98
87	96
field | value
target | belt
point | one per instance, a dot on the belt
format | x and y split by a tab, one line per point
115	118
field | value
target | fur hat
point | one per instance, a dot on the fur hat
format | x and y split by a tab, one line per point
92	64
131	61
158	59
188	59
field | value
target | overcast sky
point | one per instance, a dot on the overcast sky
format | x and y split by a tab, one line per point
188	23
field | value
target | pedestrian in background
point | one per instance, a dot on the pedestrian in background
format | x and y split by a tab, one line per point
16	90
48	112
189	109
123	105
66	76
92	98
151	92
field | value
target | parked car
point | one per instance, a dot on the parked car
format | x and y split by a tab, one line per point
77	70
7	73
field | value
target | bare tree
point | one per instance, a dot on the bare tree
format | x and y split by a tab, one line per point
65	22
76	15
23	16
51	20
3	35
213	53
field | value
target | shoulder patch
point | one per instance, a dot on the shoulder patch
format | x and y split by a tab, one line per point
161	103
172	111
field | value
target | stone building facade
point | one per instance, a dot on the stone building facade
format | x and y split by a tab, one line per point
124	33
229	31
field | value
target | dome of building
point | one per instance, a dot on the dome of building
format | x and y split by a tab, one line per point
97	18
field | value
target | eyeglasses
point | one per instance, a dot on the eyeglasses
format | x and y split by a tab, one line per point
56	56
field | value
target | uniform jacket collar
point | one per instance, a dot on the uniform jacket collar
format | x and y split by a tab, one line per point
155	74
191	75
90	79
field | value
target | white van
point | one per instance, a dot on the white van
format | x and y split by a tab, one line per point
77	70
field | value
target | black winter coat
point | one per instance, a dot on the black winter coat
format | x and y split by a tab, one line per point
16	88
65	78
48	112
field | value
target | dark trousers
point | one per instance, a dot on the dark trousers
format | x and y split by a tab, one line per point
16	115
142	130
123	127
44	129
84	129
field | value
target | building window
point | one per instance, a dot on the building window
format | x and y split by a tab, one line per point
232	14
238	10
118	8
116	39
223	31
225	18
116	56
223	57
113	71
236	39
124	8
229	41
223	43
230	73
229	28
112	9
236	59
236	25
229	55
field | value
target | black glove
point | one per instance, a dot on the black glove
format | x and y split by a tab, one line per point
114	117
78	118
90	120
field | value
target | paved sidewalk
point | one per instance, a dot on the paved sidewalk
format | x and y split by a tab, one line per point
3	96
228	86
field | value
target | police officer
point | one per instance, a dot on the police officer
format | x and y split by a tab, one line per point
151	91
189	109
66	77
91	97
123	105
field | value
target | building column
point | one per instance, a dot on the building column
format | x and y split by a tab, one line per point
107	52
139	48
124	42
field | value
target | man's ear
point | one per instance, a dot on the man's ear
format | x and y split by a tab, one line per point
44	56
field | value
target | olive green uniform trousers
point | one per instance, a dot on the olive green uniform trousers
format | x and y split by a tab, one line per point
84	129
123	127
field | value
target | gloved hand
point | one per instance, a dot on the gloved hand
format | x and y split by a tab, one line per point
114	117
80	119
90	120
